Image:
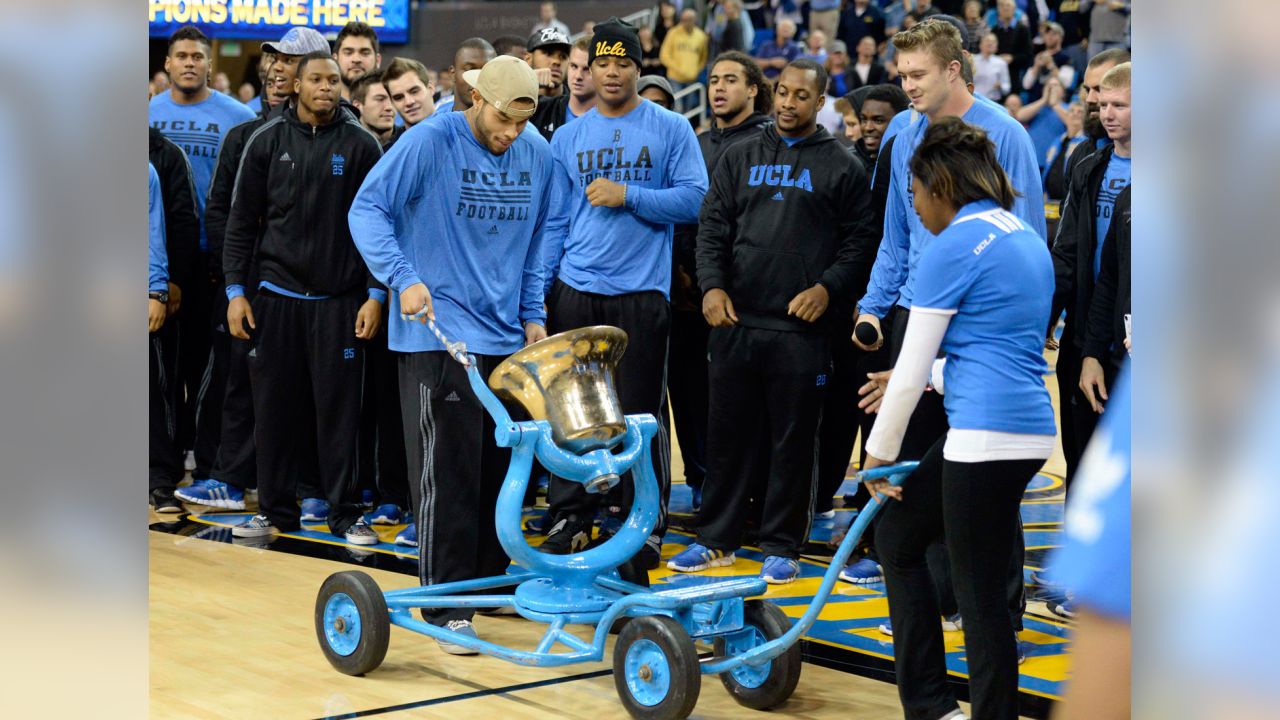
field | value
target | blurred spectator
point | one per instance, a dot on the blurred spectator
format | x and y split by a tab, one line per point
589	27
246	92
442	80
512	45
815	47
1014	38
895	14
860	19
663	21
1046	119
651	63
1053	61
729	27
1108	25
222	83
655	88
993	15
1073	15
974	25
548	53
852	128
265	61
1013	104
159	82
357	52
1055	177
547	19
471	54
787	10
842	80
990	71
773	56
824	17
685	51
866	66
410	89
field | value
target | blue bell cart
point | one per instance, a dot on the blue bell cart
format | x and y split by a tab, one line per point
656	667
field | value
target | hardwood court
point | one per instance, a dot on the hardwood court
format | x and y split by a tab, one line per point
232	636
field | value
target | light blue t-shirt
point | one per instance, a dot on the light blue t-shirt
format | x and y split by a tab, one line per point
198	129
995	277
255	104
1116	178
1045	129
157	254
905	237
1094	562
441	209
613	251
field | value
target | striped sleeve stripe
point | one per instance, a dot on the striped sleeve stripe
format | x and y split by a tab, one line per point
245	153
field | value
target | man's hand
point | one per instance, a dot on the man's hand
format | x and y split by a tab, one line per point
1093	383
882	485
155	315
175	299
810	304
533	332
1008	59
415	299
717	308
872	393
238	313
546	78
875	321
368	318
606	193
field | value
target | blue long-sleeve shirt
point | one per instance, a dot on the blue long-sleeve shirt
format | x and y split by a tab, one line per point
612	251
905	237
439	208
157	256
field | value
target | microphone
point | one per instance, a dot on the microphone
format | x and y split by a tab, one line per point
866	333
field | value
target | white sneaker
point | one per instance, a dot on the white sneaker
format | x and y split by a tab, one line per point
361	534
189	462
256	526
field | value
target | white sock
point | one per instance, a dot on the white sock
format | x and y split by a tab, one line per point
955	715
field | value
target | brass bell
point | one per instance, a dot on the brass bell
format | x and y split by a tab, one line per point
567	380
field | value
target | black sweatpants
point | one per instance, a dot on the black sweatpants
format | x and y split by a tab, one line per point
767	388
974	508
307	370
1072	407
457	470
687	387
164	455
200	395
641	380
382	453
237	462
842	419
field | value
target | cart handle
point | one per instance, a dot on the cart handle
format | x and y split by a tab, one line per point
762	654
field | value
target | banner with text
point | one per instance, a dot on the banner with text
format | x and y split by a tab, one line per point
270	19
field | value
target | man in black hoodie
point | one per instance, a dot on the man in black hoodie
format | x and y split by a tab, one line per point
780	237
300	171
741	100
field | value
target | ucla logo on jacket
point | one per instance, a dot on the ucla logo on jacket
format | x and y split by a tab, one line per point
779	176
338	163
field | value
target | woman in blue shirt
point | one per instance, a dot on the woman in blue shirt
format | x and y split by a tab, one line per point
983	289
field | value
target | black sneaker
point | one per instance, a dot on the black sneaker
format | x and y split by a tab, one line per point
650	556
164	501
569	535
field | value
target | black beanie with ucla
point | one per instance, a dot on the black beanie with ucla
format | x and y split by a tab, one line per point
616	38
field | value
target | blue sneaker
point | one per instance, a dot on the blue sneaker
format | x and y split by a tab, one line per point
461	627
1064	608
408	536
886	628
779	570
696	498
698	557
862	572
212	493
366	498
314	510
1044	578
1022	649
387	514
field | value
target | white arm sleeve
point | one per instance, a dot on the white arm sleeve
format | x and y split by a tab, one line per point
925	330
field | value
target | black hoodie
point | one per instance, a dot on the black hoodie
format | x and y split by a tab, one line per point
778	220
300	180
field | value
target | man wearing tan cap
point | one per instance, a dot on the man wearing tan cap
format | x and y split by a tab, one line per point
440	220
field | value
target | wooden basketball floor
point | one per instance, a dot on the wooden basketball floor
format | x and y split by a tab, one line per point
232	634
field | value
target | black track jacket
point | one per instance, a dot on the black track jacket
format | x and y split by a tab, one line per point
302	181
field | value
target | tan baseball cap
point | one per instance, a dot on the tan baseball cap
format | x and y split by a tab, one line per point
504	80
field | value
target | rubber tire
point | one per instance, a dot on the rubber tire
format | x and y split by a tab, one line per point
682	657
784	673
375	624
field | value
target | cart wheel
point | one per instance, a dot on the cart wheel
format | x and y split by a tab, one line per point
760	687
352	623
655	668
